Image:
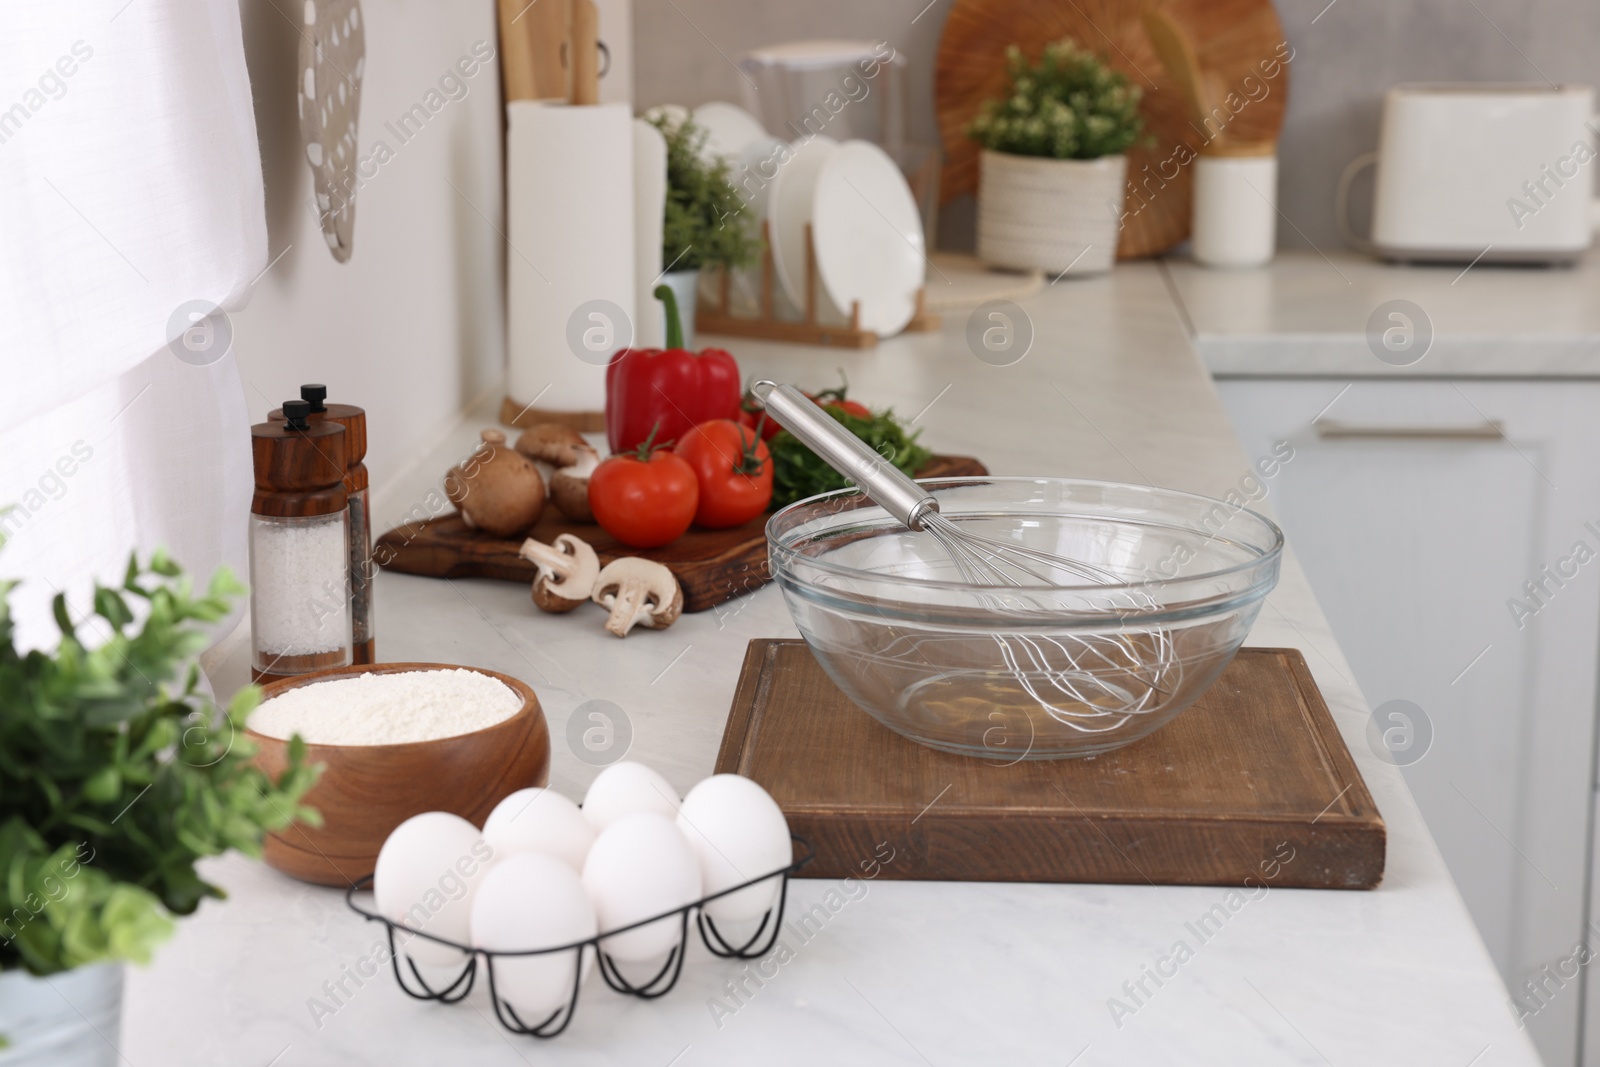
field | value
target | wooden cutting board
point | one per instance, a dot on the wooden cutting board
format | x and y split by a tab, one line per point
1231	37
1251	782
713	566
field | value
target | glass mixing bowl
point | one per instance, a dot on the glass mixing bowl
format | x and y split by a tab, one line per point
1034	672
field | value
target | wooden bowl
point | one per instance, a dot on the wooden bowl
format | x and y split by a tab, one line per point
367	790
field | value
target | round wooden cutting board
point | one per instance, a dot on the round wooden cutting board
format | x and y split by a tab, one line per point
1234	39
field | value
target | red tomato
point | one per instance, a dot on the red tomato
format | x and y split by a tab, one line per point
836	400
752	415
644	498
850	407
734	470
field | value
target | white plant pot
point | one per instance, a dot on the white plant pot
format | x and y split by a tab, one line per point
1049	214
73	1019
685	285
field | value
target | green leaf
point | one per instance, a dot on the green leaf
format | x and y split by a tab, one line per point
108	712
243	703
58	607
103	786
110	606
225	585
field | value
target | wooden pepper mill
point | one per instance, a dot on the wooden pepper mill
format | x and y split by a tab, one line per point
299	546
356	482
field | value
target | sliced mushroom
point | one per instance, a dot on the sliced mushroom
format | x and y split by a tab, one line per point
567	572
551	446
638	592
570	486
495	489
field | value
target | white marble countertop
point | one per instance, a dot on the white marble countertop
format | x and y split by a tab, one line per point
1307	314
909	973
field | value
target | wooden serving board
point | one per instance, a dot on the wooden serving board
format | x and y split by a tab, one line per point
1251	782
713	566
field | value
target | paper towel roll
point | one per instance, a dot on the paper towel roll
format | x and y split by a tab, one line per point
570	277
649	207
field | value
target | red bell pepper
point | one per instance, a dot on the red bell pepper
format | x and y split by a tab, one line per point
671	388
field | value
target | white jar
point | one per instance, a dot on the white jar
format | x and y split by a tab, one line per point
1235	210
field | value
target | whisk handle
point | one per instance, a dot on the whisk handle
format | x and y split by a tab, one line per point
846	453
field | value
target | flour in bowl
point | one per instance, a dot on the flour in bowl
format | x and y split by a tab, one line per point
388	709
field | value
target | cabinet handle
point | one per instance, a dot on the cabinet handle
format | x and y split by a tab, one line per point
1488	430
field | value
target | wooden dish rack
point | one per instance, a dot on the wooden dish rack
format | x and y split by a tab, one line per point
720	319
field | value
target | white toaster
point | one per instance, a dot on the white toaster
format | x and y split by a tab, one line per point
1480	172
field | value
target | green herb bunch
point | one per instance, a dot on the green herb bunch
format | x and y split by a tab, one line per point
1068	105
706	223
117	774
798	472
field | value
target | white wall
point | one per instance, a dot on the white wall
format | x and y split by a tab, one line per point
412	327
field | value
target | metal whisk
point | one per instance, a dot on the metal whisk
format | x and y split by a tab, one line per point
1092	682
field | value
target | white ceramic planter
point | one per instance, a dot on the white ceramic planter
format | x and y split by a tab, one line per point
1235	213
72	1019
1049	214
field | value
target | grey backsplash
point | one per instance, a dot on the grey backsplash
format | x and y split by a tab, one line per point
1346	54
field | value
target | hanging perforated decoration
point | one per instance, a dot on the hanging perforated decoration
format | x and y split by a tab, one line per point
332	56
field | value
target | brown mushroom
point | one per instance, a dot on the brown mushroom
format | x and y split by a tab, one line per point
551	446
638	592
567	572
496	489
569	488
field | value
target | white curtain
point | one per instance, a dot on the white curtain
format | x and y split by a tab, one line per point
130	189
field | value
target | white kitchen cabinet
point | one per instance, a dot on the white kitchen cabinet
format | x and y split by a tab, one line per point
1422	511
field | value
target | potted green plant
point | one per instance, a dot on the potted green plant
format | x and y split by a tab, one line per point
706	223
116	774
1052	169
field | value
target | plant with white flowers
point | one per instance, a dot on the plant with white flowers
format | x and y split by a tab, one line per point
1066	105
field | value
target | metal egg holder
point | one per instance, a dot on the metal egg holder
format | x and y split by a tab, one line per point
660	984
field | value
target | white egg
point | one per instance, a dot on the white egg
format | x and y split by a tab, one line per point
640	866
624	789
738	832
426	874
543	821
532	901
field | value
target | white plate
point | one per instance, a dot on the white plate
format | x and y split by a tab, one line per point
788	213
731	128
753	176
868	235
756	170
